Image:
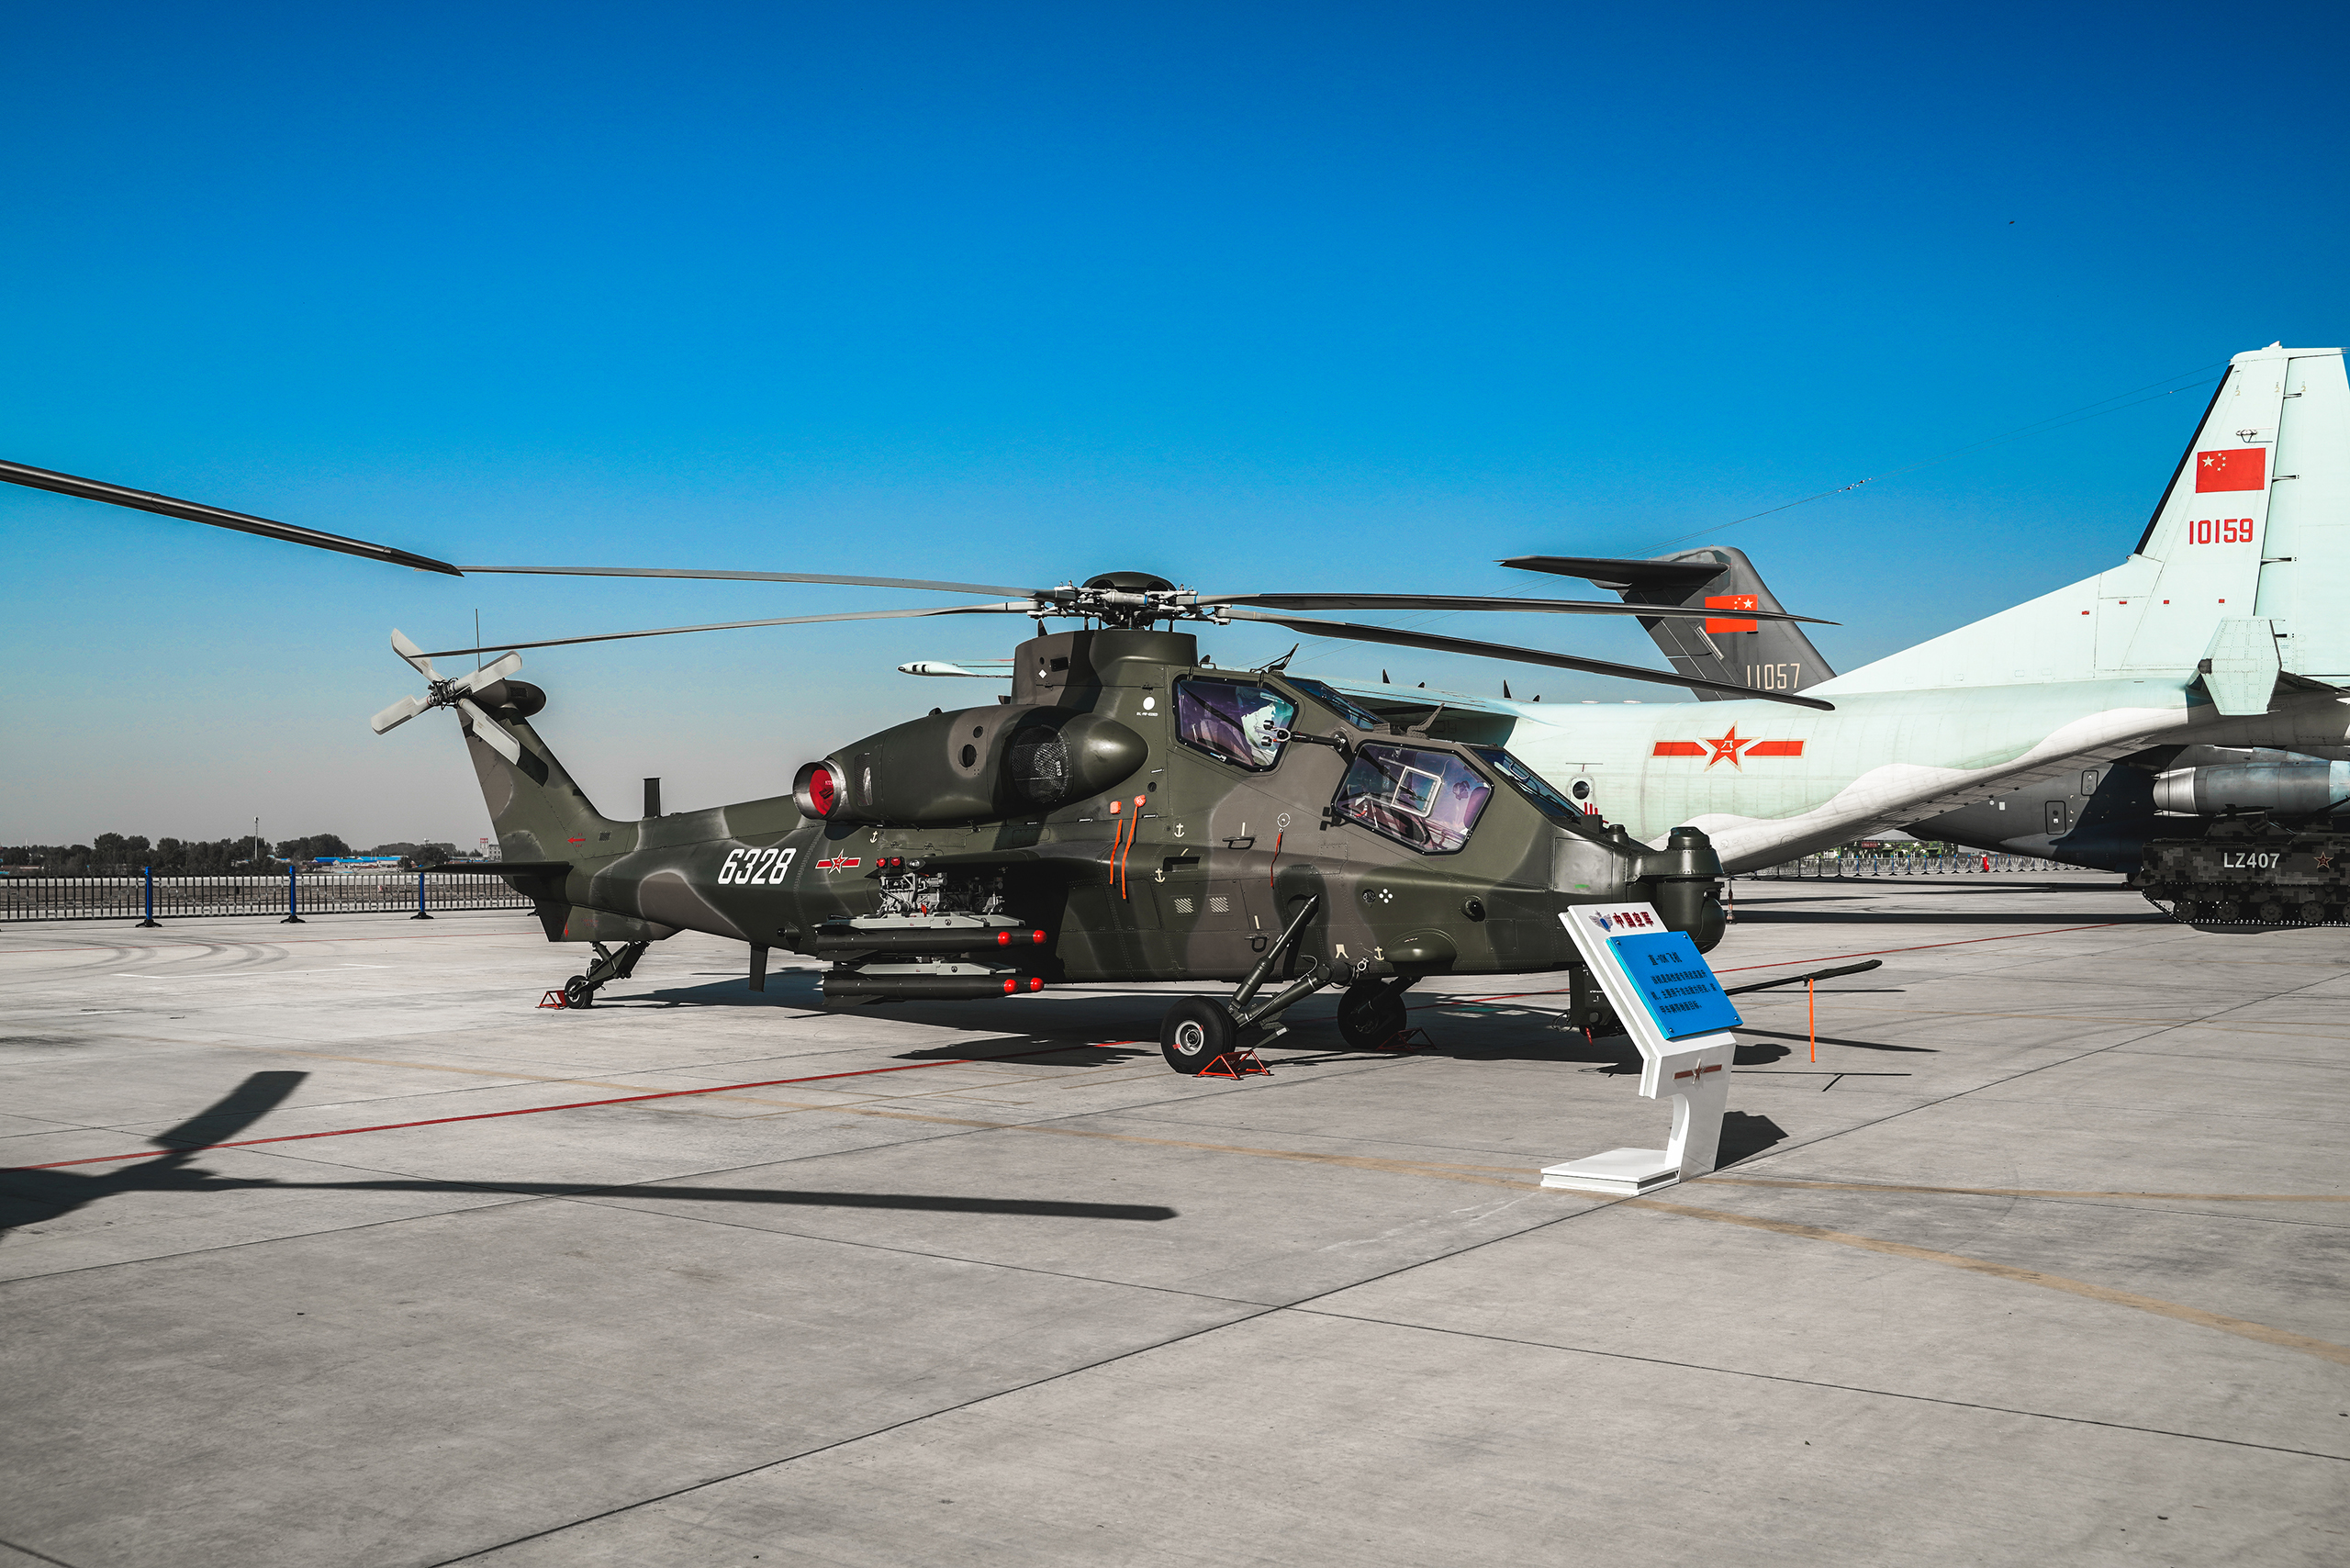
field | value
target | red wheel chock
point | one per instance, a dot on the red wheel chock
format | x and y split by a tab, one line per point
1240	1062
1408	1040
552	998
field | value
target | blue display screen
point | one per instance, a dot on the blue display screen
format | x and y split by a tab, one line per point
1673	978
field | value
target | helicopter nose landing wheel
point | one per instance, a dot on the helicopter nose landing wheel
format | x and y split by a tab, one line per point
1371	1014
1196	1032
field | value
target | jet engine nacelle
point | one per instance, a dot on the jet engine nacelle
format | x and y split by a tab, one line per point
976	764
2252	787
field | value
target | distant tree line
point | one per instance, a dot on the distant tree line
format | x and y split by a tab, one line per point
114	854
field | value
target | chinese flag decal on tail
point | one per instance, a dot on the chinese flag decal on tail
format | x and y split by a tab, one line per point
1731	602
2238	468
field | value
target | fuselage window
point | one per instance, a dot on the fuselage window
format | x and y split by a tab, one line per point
1328	696
1428	799
1233	722
1538	789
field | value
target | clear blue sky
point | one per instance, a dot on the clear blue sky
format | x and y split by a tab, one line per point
1336	297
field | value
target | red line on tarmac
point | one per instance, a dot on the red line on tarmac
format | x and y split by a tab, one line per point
1788	963
574	1105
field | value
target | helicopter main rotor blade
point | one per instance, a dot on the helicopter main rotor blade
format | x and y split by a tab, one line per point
737	625
919	583
1520	656
218	517
1457	602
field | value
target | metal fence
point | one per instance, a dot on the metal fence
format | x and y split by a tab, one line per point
39	897
1834	867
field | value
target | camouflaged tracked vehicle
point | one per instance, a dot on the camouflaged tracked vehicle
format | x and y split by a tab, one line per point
2252	872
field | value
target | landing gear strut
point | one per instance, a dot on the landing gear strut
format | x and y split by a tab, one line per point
1199	1031
580	990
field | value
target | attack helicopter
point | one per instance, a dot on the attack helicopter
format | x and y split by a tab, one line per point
1130	812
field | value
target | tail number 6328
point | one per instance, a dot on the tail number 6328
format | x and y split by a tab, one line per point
767	866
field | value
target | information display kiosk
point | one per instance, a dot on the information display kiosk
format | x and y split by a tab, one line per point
1666	994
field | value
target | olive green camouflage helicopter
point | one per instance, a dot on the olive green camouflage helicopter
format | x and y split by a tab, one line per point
1132	812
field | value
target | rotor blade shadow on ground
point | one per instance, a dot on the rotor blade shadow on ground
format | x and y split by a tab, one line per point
1042	1208
1832	1040
1759	916
34	1197
256	1097
1042	1052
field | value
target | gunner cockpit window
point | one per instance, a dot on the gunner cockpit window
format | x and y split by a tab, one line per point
1233	721
1428	799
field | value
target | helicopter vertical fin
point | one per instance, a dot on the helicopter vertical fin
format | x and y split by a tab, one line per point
536	809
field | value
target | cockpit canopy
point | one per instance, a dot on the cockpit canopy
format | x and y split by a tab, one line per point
1431	800
1428	799
1236	722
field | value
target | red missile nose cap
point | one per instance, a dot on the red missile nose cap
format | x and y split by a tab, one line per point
1036	982
1010	986
1037	937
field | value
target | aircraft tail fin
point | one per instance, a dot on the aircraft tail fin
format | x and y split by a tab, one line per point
2236	581
538	813
1769	656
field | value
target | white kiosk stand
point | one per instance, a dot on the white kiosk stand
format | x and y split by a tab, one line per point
1668	1000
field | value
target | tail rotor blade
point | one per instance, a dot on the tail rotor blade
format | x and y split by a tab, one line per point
487	732
413	654
487	676
398	713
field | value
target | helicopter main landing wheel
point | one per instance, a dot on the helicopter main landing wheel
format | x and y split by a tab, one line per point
1196	1032
1369	1015
577	992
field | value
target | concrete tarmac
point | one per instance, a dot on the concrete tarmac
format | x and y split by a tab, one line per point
2041	1259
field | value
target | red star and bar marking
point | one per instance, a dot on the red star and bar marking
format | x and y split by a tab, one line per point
1730	747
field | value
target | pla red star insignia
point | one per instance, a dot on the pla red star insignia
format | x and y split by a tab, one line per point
1730	747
